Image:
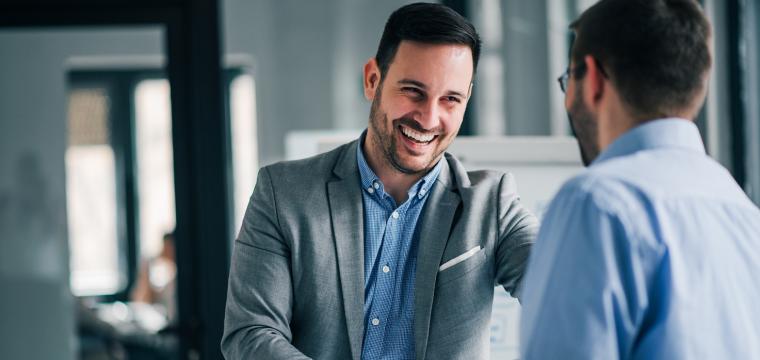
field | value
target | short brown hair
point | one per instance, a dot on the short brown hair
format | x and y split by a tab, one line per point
426	23
656	52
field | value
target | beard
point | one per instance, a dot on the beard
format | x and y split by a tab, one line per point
386	142
584	127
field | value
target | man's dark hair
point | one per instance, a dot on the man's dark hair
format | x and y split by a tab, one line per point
656	52
429	24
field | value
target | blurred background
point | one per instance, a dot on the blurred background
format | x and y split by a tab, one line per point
131	133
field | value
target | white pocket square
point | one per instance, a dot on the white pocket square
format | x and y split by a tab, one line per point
460	258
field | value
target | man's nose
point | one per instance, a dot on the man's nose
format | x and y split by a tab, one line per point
430	115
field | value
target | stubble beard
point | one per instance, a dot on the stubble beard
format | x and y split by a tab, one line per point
584	127
385	141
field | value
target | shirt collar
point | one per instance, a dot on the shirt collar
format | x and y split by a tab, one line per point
660	133
371	181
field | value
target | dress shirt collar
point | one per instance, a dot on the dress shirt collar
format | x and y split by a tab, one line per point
660	133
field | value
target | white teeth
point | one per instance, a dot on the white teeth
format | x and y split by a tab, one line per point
420	137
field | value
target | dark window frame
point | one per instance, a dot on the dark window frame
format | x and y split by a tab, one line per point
120	85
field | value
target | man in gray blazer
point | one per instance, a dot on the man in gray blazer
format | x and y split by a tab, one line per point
385	247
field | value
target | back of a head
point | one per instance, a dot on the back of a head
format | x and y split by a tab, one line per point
429	24
656	52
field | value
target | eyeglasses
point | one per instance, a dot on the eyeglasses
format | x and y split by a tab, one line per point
577	71
565	77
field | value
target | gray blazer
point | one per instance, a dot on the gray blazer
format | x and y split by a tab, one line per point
296	286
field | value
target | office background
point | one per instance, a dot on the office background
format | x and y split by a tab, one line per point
122	121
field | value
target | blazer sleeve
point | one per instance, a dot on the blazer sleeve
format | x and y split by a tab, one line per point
260	291
518	229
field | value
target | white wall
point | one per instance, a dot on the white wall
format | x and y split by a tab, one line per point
36	308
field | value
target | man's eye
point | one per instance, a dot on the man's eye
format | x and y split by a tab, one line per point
453	99
412	91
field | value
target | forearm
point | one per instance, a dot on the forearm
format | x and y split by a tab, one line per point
518	229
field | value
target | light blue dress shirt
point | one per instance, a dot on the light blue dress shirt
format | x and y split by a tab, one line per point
652	253
390	260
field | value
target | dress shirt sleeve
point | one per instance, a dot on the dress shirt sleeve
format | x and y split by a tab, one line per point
517	232
587	280
260	293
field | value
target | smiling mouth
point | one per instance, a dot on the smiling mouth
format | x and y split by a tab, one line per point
416	136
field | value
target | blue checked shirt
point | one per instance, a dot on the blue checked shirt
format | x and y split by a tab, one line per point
390	259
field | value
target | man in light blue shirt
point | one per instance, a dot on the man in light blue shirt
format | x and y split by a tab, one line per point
653	252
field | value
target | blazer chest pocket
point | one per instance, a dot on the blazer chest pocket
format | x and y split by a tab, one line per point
461	265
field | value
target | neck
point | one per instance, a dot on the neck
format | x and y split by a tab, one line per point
613	123
396	183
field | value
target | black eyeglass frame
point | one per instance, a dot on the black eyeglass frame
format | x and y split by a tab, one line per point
578	71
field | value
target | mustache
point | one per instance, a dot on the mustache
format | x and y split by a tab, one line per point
414	125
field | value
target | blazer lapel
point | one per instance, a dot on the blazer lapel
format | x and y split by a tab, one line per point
346	214
434	233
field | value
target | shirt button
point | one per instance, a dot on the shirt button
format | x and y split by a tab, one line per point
377	185
386	268
370	190
376	321
395	214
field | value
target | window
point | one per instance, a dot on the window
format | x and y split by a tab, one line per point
155	166
242	101
91	195
120	172
525	47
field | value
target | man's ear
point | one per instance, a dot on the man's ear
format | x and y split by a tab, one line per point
594	82
371	79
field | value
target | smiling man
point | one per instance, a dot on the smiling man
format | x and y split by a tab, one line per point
385	248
